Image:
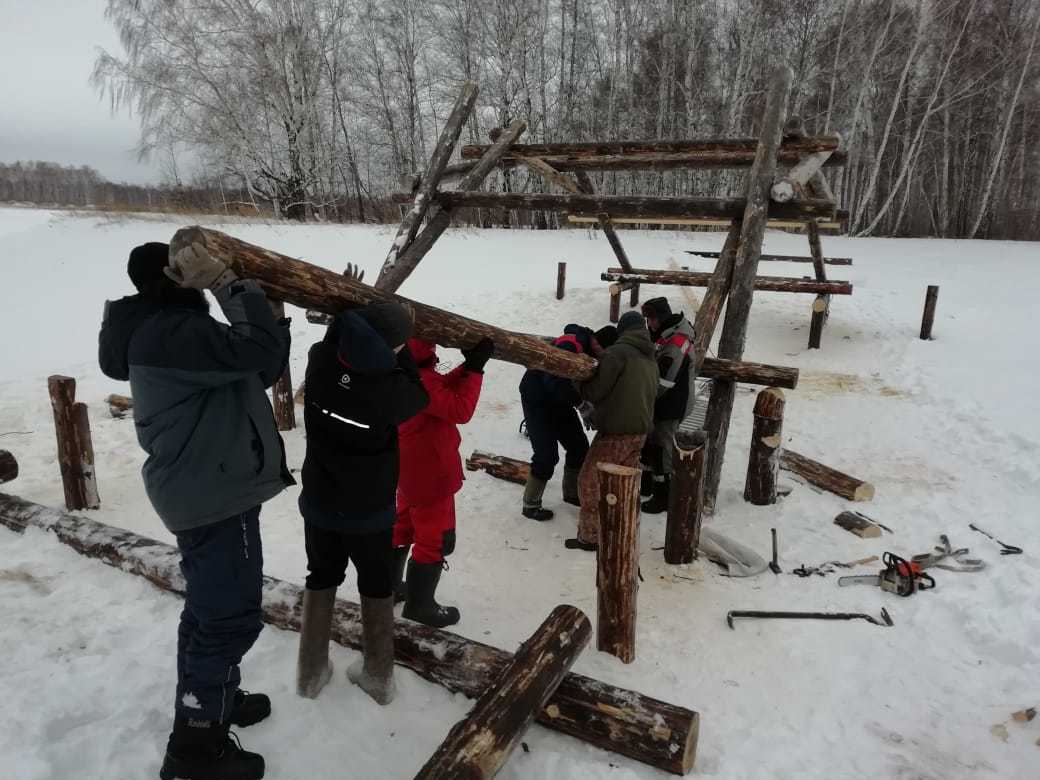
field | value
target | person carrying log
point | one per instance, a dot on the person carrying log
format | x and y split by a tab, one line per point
672	335
622	393
214	456
431	475
361	384
552	421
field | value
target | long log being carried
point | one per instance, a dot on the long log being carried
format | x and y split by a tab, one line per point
787	284
779	258
623	721
312	287
628	205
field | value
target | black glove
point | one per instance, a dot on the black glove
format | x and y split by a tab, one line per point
477	356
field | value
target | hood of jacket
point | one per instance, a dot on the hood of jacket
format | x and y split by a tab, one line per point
121	320
358	345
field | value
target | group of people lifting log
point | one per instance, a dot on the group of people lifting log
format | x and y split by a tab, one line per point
635	403
380	472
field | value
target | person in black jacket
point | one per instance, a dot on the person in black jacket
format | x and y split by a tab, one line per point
357	391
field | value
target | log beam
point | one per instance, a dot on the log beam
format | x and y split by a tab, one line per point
479	744
686	500
780	258
617	561
8	467
786	284
766	438
626	722
826	478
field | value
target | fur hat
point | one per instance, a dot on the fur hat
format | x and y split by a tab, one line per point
658	308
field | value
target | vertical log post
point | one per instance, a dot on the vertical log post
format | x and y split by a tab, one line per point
820	310
75	449
561	280
8	467
479	744
617	561
633	297
281	391
683	529
745	269
930	299
766	437
615	307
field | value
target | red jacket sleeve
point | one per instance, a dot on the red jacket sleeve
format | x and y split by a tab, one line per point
454	396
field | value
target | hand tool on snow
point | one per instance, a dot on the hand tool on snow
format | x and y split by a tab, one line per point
899	576
945	552
773	565
828	568
885	619
1005	549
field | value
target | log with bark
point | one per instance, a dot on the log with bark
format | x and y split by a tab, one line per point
479	744
766	438
686	500
617	561
780	258
75	448
816	250
647	206
8	467
860	525
786	284
623	721
561	280
818	318
826	478
931	298
614	313
501	466
119	405
714	298
281	390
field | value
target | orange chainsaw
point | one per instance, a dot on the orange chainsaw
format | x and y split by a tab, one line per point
900	576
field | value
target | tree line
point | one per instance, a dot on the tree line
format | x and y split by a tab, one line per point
317	107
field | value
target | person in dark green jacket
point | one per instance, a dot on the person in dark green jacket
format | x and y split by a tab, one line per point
202	414
622	393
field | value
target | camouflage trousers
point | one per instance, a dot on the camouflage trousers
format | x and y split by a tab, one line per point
622	450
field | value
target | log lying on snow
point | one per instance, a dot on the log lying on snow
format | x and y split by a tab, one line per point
647	206
787	284
831	480
8	467
780	258
119	405
501	466
623	721
479	744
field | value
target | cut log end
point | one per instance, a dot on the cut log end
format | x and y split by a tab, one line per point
783	191
770	403
864	492
820	304
621	471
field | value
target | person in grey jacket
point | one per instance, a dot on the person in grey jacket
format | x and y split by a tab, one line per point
202	415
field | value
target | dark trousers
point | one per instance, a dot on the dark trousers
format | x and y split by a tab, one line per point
329	552
549	427
222	565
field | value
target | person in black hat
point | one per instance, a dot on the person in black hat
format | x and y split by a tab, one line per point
361	384
202	414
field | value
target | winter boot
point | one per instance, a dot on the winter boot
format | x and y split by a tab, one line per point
249	708
313	666
646	483
570	486
204	750
533	491
374	673
421	605
400	559
577	543
659	502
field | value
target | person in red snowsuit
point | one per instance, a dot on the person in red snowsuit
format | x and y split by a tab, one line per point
431	475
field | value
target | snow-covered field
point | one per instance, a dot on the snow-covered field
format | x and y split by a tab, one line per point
947	431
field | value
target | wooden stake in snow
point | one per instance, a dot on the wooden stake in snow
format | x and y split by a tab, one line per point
8	467
930	299
75	449
615	305
831	480
624	721
820	310
561	280
281	390
617	561
683	530
479	744
766	437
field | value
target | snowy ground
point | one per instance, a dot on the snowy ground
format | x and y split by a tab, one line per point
946	431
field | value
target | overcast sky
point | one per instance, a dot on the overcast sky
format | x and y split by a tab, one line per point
48	110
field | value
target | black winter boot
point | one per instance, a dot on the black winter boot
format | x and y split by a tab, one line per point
570	486
646	483
533	491
204	750
659	502
421	605
400	559
249	708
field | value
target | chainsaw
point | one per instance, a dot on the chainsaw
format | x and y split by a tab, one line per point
900	576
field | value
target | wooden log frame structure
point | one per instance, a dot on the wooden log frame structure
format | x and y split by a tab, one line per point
75	448
785	284
281	390
617	561
686	498
8	467
479	744
825	477
779	258
623	721
766	439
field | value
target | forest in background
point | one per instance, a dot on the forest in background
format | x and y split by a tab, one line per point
315	108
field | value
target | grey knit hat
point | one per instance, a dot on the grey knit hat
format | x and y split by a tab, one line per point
390	320
629	321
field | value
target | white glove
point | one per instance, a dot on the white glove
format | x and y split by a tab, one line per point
194	267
